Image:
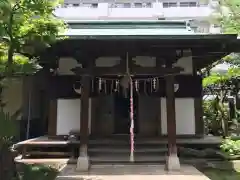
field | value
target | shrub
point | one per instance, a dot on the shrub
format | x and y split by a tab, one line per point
8	134
231	147
37	172
214	117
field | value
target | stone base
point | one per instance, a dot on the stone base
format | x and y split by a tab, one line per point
82	163
172	163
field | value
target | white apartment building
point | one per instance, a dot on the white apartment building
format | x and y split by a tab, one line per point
197	11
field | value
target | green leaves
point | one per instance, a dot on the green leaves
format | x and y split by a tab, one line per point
231	147
230	18
8	126
27	27
216	78
21	64
37	172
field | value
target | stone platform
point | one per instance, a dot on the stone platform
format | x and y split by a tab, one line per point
130	172
110	150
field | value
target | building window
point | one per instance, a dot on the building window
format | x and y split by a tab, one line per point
127	5
138	5
216	26
202	29
65	5
90	5
188	4
147	5
169	4
115	5
94	5
193	4
121	5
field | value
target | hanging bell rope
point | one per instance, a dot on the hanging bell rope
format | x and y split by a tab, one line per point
99	85
132	122
130	81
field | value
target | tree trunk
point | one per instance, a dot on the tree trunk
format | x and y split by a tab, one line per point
9	69
8	169
237	101
224	119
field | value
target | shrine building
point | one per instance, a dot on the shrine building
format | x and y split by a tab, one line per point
106	70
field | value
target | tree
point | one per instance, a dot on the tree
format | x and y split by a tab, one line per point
220	85
229	16
21	64
27	27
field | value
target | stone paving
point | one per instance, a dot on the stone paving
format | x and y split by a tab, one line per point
130	172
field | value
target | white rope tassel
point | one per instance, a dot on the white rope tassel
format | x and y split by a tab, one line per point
132	122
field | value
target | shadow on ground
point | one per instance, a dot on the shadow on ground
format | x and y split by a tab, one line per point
131	172
221	170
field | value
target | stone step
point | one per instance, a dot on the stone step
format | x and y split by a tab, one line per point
115	159
127	150
196	143
149	152
126	141
124	144
120	153
41	153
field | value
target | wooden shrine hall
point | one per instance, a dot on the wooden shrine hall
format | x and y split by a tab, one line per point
137	79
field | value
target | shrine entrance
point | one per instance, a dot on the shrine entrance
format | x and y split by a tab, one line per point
157	63
122	113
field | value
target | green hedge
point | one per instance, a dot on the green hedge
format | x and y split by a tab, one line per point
37	172
231	147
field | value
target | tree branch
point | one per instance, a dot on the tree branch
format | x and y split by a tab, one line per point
25	54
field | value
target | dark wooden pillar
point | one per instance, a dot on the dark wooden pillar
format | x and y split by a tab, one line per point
51	108
171	115
198	107
84	116
237	101
52	118
172	162
198	111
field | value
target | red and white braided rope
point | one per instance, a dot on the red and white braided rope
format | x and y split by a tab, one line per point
132	122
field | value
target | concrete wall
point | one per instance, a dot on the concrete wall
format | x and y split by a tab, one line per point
101	115
185	117
68	115
151	121
12	96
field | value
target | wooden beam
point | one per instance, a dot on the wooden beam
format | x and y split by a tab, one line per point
159	117
171	115
198	109
52	118
84	116
99	71
198	112
116	70
158	71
